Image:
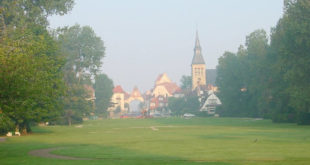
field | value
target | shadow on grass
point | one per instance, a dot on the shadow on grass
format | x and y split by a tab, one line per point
225	121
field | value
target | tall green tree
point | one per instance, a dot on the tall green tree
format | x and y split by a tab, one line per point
83	51
104	91
274	76
30	66
242	76
291	46
255	70
230	84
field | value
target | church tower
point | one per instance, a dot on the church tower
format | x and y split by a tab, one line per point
198	66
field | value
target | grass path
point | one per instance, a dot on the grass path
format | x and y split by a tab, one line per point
45	153
2	139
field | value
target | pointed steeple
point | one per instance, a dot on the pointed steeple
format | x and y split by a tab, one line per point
197	42
198	58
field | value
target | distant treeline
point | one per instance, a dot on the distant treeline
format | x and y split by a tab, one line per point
270	78
47	75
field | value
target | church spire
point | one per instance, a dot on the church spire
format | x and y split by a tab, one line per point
197	43
198	58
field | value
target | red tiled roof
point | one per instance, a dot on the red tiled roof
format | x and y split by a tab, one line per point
118	89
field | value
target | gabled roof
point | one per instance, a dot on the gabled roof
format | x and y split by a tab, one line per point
213	100
118	89
162	78
198	58
171	87
135	92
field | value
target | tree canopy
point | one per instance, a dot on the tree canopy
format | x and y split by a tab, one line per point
83	52
186	82
31	83
104	91
270	79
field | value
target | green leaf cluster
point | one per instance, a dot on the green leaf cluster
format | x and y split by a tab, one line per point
270	79
83	52
182	105
31	84
104	91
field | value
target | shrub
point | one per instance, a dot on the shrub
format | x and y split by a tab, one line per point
6	124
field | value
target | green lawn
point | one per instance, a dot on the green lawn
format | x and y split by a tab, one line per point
176	141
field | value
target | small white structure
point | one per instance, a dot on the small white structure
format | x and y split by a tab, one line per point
9	134
188	115
211	103
17	133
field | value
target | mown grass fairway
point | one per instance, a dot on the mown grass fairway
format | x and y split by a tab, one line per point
165	141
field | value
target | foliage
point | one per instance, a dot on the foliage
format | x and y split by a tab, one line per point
291	46
186	82
83	52
231	95
271	80
31	83
104	91
6	124
182	105
30	77
117	110
25	13
75	104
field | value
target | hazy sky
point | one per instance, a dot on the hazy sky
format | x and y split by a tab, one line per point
144	38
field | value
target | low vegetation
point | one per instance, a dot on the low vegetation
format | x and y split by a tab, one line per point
165	141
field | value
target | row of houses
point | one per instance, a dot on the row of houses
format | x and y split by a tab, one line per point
156	100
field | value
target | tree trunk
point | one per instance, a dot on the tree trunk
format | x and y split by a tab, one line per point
69	120
24	130
17	128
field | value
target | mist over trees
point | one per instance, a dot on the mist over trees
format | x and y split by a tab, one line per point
48	75
43	73
270	79
182	105
186	82
83	52
104	91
